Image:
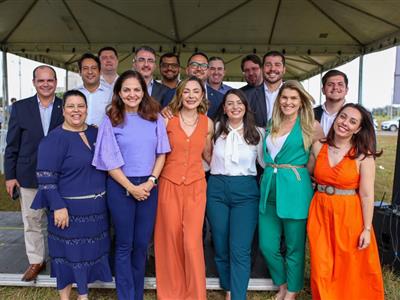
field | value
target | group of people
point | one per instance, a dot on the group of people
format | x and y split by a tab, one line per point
157	158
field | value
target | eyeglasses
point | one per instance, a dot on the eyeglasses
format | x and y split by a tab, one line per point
194	64
144	60
167	65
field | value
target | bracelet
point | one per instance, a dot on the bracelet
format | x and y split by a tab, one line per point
368	228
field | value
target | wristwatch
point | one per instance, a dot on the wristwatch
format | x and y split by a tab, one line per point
154	179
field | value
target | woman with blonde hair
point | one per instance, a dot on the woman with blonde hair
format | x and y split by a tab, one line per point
182	197
286	188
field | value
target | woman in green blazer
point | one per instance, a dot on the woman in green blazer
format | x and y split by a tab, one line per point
286	188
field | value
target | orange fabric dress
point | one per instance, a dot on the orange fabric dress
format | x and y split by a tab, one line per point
178	243
339	271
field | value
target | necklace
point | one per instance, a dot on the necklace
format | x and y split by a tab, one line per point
187	123
337	151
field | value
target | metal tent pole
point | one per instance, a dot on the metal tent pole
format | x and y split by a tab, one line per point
360	79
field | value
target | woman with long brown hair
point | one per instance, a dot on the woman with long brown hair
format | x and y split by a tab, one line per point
344	255
131	146
233	193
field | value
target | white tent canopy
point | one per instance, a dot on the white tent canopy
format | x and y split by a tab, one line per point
313	34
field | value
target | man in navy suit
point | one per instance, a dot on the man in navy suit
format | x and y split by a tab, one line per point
262	98
197	66
145	63
31	119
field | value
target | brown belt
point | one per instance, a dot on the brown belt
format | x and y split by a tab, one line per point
331	190
287	166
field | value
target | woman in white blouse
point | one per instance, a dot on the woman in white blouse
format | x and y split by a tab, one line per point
232	192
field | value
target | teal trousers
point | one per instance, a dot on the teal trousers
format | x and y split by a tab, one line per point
290	268
232	211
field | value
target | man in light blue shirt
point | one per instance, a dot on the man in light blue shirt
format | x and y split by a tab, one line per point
98	95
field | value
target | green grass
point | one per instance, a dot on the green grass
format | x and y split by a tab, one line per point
383	183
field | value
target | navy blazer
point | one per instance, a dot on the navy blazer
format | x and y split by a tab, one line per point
215	98
318	111
160	91
24	134
258	105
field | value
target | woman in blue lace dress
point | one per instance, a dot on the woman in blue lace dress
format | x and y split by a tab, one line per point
73	191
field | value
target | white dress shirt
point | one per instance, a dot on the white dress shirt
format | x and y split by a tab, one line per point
270	97
232	156
327	119
97	103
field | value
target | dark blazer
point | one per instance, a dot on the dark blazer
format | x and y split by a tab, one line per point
246	87
215	99
257	103
213	96
24	134
318	111
159	91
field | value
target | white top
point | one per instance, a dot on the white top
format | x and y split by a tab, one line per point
327	120
270	97
232	156
97	103
274	145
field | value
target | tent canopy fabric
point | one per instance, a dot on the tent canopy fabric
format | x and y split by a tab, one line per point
315	35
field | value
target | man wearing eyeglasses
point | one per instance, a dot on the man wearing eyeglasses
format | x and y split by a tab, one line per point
169	69
197	66
145	63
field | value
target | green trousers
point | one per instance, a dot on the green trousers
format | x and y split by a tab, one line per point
289	268
232	211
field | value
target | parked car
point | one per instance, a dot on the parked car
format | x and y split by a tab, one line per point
375	124
392	125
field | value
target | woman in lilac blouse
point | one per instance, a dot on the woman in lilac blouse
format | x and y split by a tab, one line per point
131	146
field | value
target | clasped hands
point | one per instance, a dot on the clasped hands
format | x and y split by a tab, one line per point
142	191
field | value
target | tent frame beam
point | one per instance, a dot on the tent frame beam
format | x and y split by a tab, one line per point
217	19
110	9
76	21
335	22
20	21
278	7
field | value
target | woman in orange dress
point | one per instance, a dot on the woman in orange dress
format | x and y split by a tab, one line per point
178	243
344	255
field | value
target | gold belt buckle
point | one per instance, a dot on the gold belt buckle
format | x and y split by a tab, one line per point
330	190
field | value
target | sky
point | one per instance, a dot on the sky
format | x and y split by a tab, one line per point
378	79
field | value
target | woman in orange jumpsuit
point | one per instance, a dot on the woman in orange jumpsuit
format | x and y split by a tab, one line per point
344	255
178	243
